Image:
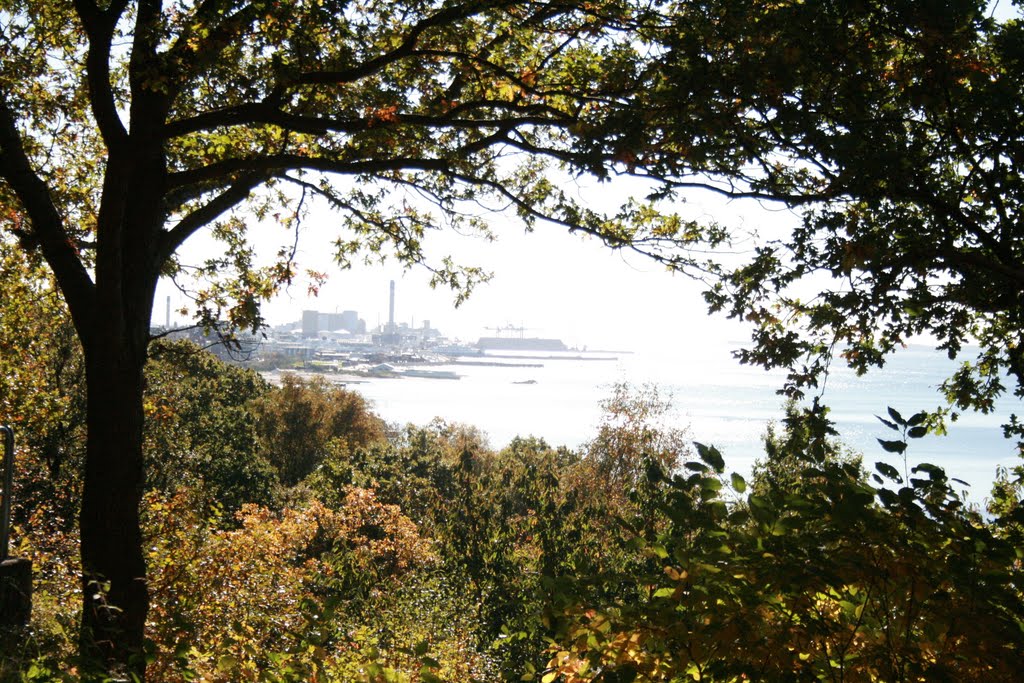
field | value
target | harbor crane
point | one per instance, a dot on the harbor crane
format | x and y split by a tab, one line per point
509	328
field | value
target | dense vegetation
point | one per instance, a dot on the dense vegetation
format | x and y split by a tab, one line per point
892	130
292	536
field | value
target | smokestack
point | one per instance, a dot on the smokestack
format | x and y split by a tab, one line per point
168	325
391	309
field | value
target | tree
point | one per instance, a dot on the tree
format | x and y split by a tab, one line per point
634	430
127	127
806	437
894	130
298	421
201	428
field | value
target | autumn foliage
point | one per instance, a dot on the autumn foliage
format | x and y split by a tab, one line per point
291	536
632	560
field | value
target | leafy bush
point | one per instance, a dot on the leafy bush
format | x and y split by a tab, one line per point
835	579
201	430
258	602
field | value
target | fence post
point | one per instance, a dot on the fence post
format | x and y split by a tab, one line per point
15	573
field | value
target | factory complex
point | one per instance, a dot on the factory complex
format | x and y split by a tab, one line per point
341	341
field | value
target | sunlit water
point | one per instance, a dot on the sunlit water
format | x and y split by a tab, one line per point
719	401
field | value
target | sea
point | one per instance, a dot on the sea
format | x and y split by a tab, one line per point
558	397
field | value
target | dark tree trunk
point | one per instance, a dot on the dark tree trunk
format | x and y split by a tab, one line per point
115	596
115	341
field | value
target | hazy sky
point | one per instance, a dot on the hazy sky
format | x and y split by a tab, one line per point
548	281
552	283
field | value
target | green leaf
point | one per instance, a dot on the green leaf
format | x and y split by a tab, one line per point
711	456
917	432
887	423
897	418
226	663
710	485
889	471
934	471
893	446
739	484
887	497
760	509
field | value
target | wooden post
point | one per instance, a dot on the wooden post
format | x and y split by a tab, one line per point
15	573
7	486
15	592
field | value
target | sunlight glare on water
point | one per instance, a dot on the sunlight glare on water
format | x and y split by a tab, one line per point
719	401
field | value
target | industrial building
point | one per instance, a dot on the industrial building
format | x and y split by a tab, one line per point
315	323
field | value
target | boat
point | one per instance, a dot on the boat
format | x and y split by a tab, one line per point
520	344
428	374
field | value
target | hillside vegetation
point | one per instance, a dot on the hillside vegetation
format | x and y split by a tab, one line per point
291	535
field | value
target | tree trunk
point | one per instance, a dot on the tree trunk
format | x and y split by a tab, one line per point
115	595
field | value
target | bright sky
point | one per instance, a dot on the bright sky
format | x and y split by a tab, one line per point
550	282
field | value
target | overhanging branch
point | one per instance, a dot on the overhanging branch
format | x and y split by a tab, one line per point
280	163
269	114
99	28
235	194
47	224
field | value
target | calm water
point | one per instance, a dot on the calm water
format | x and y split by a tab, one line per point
719	401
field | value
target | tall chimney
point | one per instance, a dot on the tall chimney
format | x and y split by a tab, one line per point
391	309
168	325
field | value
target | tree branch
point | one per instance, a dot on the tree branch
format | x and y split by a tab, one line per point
279	163
406	48
236	193
99	29
47	224
260	113
186	58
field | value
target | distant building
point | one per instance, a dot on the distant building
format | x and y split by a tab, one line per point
310	323
222	340
405	335
346	320
314	323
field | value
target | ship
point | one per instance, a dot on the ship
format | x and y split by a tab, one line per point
520	344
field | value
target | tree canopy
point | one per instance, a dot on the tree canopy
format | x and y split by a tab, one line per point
894	131
225	104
